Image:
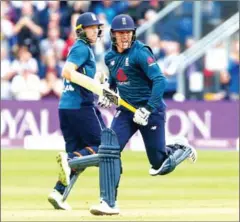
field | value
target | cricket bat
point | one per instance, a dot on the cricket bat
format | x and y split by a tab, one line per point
95	87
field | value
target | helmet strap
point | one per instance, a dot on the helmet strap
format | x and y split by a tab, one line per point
81	34
100	31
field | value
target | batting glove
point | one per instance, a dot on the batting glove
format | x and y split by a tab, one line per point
104	102
141	116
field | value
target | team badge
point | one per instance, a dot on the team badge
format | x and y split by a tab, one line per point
124	21
121	76
127	62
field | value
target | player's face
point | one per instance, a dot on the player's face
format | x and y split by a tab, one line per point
92	33
123	39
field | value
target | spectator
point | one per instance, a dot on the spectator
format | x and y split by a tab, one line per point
24	61
106	7
227	8
50	63
72	7
71	37
52	7
27	29
230	77
6	27
53	42
79	6
154	42
54	22
6	24
169	66
216	58
5	78
40	5
197	65
233	70
194	76
148	16
156	5
25	84
53	33
9	11
51	84
215	62
137	10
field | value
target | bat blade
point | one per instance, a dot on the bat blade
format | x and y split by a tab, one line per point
95	87
86	82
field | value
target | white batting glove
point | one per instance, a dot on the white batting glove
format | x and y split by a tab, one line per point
141	116
104	102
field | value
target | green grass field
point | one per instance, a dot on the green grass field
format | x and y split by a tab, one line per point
205	191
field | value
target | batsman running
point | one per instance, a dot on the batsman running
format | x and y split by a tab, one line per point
80	121
133	71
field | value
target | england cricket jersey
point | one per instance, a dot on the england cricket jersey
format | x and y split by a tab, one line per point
75	96
137	76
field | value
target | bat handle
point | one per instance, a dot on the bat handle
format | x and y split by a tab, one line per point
127	105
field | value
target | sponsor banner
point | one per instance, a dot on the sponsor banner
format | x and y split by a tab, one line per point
35	124
23	118
203	120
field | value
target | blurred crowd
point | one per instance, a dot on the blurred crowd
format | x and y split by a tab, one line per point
36	37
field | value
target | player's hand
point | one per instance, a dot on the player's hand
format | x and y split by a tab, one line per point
104	102
141	116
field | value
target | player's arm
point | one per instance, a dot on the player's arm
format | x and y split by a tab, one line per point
67	69
148	63
76	58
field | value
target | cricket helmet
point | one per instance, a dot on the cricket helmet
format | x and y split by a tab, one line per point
122	22
85	20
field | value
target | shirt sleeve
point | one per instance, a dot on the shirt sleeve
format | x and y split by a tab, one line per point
150	67
78	55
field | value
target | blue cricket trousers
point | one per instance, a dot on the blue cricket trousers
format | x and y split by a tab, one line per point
153	134
81	127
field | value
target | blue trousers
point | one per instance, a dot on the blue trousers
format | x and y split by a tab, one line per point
153	134
81	127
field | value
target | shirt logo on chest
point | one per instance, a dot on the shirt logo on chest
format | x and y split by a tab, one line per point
121	76
127	61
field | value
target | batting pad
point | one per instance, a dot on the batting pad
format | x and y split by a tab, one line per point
109	166
173	160
81	163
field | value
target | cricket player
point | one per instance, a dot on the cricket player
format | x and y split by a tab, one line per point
80	121
133	71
